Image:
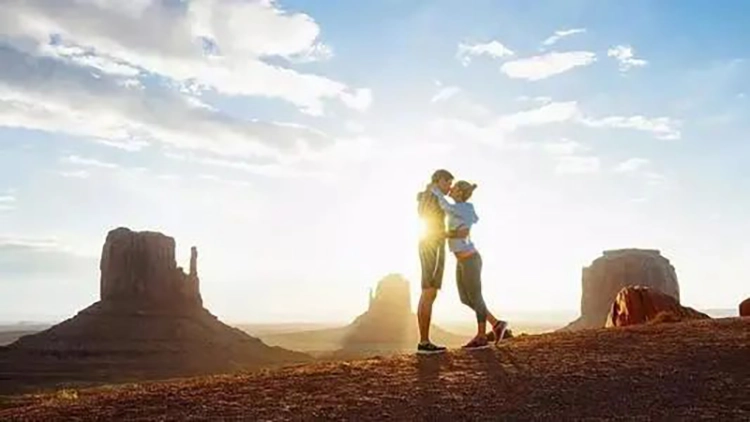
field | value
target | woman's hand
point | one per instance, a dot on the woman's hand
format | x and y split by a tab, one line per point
460	233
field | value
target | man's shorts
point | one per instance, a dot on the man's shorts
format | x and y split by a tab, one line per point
432	258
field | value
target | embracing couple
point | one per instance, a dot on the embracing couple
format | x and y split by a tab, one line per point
433	209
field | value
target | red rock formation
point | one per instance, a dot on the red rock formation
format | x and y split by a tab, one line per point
745	308
615	270
139	269
149	324
389	323
640	305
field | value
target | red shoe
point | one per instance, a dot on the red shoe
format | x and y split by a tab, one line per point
477	343
499	331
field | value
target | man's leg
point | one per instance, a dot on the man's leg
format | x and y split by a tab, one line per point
432	258
424	313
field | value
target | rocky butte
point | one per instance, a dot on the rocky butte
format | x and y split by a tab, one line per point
149	323
615	270
389	325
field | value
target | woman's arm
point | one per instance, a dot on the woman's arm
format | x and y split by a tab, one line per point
444	204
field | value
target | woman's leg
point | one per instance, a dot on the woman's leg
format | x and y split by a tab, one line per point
473	282
464	276
463	295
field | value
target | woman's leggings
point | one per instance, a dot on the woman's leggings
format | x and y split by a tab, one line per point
469	281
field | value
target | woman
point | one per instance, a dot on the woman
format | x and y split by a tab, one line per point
461	214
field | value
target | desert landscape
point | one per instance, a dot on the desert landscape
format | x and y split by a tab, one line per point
685	371
290	210
149	350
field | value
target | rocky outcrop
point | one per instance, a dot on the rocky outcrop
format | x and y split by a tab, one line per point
745	308
149	324
389	324
385	322
615	270
139	269
640	305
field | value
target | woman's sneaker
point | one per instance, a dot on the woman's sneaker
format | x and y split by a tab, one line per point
477	343
429	349
499	331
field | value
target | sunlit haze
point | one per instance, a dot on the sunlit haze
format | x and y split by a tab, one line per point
287	140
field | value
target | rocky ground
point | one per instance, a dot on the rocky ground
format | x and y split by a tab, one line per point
685	371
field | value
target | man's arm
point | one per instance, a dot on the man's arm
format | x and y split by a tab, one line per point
459	233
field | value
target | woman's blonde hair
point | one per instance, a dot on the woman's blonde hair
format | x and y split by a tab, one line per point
465	188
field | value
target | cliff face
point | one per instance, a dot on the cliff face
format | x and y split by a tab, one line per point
149	324
138	269
618	269
389	324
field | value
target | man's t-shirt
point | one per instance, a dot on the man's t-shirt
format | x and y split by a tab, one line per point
434	216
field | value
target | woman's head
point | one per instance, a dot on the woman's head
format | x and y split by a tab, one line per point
462	190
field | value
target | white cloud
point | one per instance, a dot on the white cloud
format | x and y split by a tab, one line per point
75	102
562	34
7	202
494	49
547	65
88	58
540	99
445	93
42	256
460	105
217	45
88	162
655	179
316	53
554	112
35	243
130	145
260	169
577	165
661	127
359	99
631	165
498	131
354	127
558	112
75	174
318	164
224	181
626	57
564	147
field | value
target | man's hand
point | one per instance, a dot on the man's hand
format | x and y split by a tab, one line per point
460	233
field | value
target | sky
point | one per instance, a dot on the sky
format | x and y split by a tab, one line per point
287	140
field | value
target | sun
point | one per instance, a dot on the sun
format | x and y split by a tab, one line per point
420	229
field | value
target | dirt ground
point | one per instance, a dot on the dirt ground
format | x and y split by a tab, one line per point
687	371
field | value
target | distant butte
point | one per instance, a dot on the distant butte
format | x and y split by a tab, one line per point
615	270
149	323
389	325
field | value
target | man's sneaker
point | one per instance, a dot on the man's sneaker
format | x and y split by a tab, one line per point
429	349
499	330
477	343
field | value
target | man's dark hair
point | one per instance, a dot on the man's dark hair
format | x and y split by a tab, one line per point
441	174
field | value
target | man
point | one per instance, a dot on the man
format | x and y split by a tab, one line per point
431	256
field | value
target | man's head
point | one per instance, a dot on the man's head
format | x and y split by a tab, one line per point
443	179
